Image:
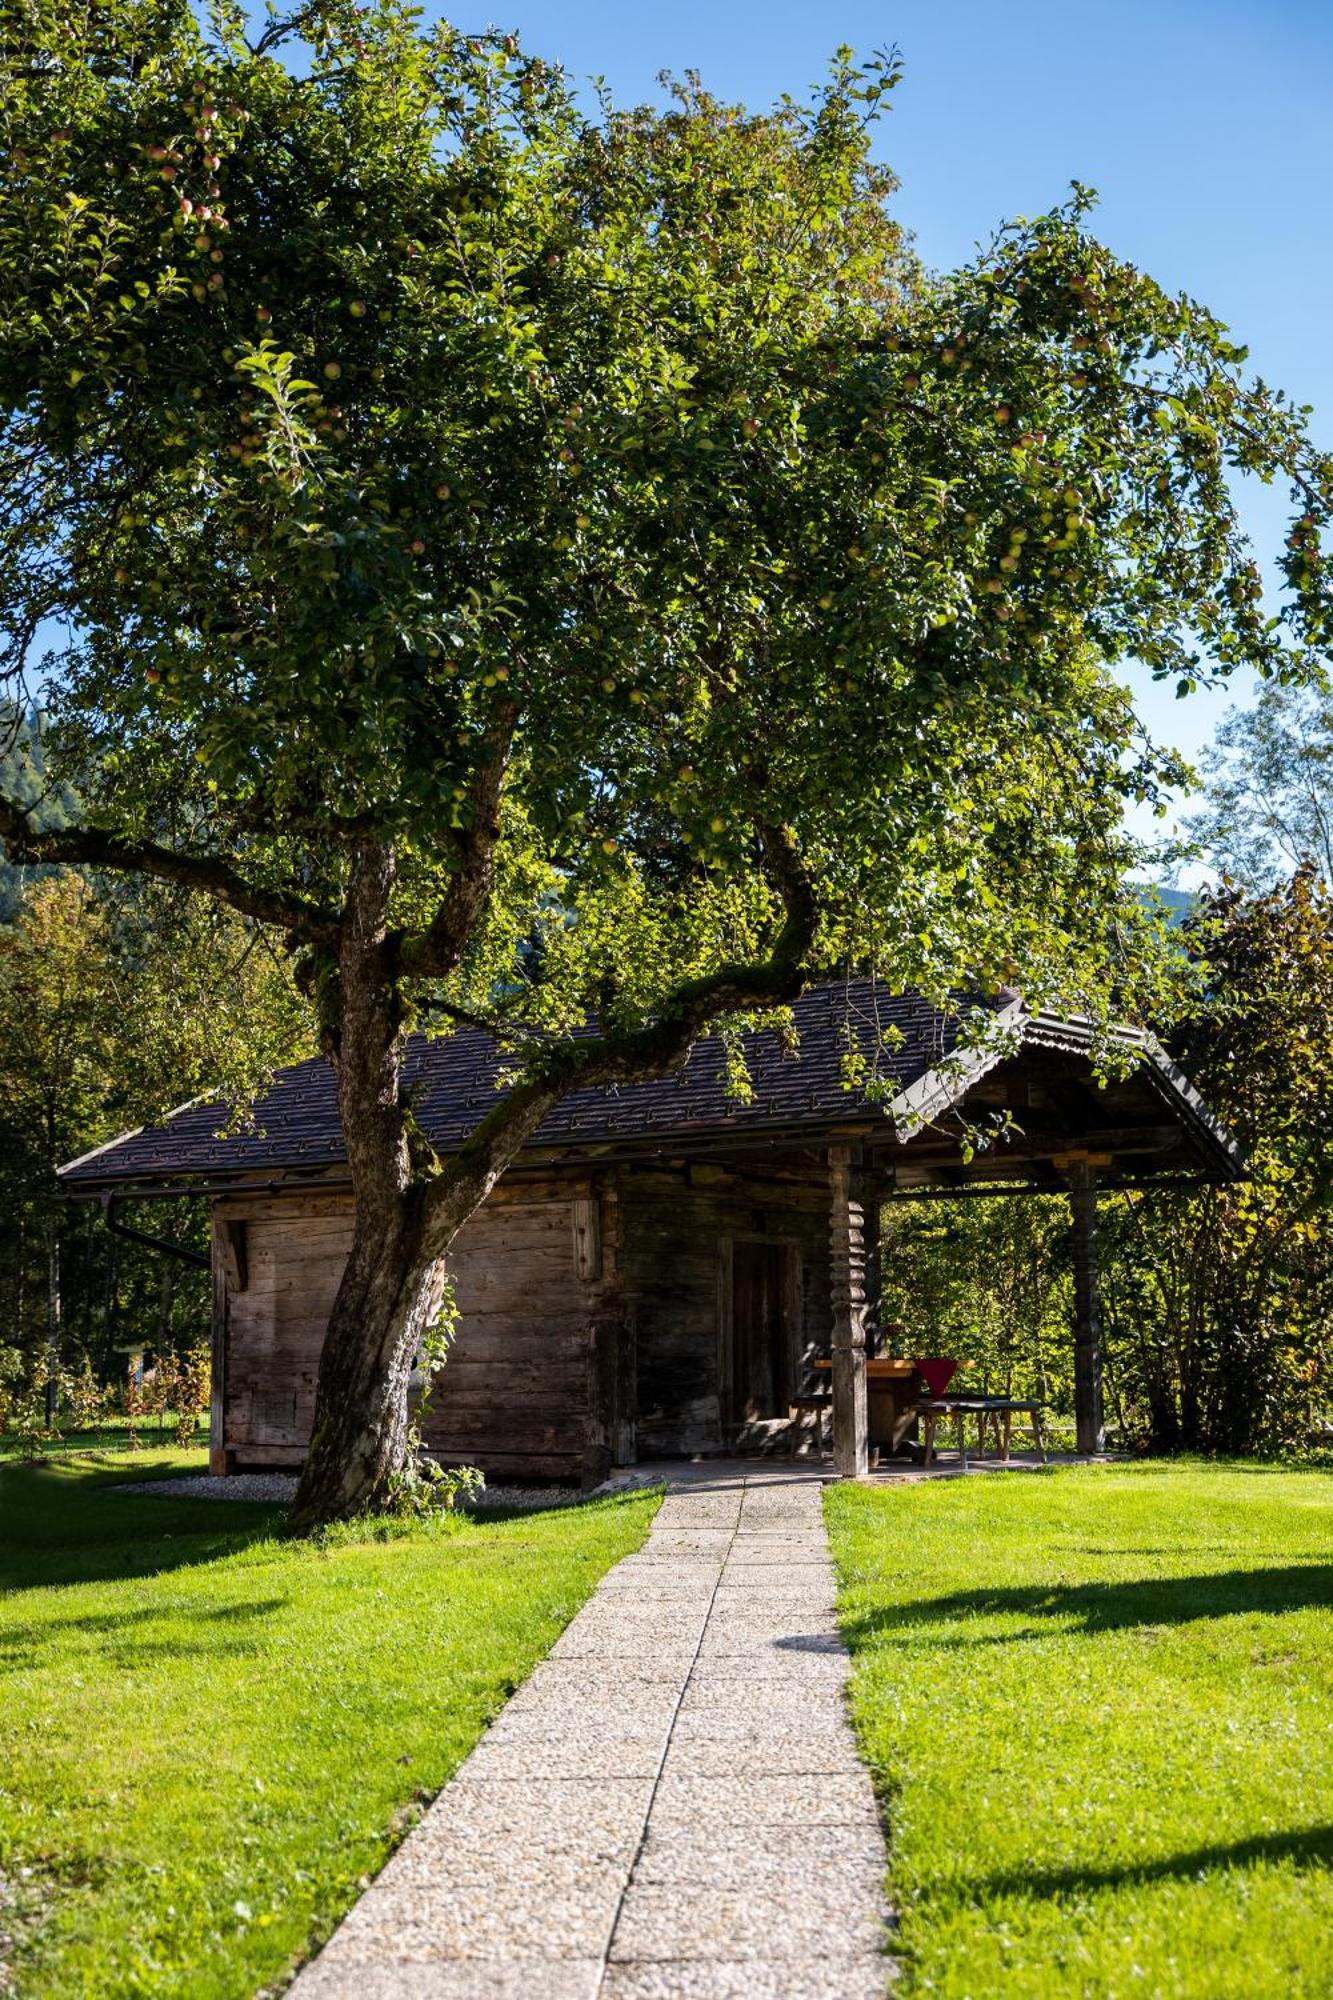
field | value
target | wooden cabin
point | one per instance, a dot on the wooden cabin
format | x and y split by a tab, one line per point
663	1263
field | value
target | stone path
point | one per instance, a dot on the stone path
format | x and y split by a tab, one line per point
671	1808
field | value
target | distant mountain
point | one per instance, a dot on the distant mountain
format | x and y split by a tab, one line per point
1179	902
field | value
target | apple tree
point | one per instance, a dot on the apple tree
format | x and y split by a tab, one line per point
571	568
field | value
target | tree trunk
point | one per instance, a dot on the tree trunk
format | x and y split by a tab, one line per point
386	1300
359	1439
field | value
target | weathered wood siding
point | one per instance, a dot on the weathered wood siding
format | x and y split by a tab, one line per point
516	1394
592	1309
513	1396
675	1225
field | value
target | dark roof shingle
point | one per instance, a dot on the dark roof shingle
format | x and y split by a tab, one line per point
454	1082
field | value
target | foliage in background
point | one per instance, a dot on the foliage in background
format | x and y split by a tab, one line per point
1225	1297
988	1280
1268	806
116	1002
1217	1303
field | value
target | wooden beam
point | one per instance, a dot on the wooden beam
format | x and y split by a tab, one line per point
851	1442
598	1266
1088	1421
587	1220
873	1224
219	1458
231	1250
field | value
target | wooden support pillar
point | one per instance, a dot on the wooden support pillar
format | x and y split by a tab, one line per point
1088	1420
871	1228
851	1449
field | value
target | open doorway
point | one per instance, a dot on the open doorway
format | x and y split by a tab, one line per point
759	1322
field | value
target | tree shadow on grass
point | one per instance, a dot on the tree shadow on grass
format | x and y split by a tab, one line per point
1308	1847
218	1630
56	1530
1103	1607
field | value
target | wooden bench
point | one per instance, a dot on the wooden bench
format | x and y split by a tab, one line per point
1000	1410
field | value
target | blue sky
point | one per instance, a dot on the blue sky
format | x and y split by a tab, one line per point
1206	128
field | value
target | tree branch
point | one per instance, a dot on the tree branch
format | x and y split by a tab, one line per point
435	952
659	1046
208	874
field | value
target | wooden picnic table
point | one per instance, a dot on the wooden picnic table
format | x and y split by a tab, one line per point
891	1404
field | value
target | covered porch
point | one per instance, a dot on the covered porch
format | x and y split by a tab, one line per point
1033	1119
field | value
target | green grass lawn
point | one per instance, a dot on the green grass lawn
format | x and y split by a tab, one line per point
1099	1707
209	1735
156	1434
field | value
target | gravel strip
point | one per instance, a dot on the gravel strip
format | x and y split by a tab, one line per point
280	1486
272	1486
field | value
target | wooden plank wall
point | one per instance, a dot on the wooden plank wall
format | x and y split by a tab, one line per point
515	1394
589	1314
675	1222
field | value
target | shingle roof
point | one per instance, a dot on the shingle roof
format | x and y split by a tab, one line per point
911	1061
454	1081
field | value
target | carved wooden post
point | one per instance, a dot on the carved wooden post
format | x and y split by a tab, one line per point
851	1451
873	1223
1087	1313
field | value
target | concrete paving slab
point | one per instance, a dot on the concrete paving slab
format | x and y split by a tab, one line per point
749	1979
791	1753
565	1756
810	1799
421	1921
786	1853
731	1705
530	1809
758	1918
670	1808
336	1978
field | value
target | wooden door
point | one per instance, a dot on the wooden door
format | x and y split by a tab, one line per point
760	1330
